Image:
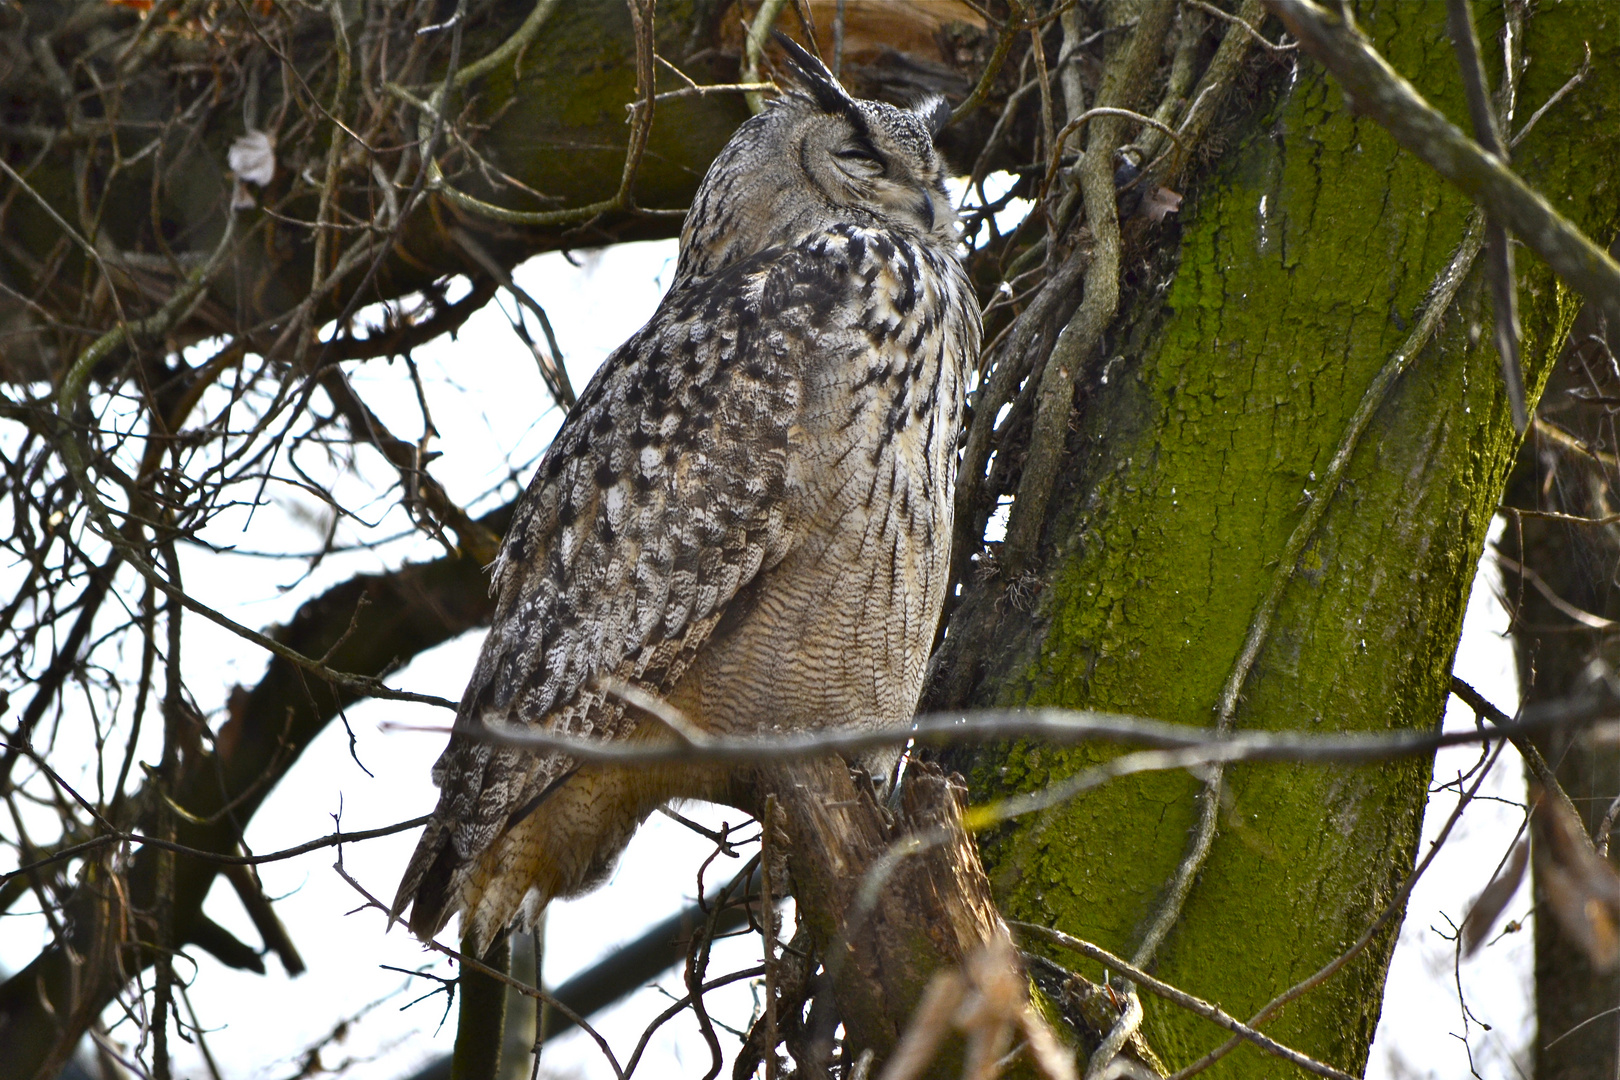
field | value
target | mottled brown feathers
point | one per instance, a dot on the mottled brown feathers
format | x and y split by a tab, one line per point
747	512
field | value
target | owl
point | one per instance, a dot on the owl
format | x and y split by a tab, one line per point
747	513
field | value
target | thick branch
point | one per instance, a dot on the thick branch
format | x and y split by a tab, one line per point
891	900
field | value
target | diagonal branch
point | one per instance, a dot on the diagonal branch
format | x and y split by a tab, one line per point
1382	94
1213	1013
1498	254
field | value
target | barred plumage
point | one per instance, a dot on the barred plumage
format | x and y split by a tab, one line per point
748	511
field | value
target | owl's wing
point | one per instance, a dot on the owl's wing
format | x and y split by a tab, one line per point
661	497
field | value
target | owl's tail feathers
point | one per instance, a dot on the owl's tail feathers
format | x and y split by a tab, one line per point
439	882
431	883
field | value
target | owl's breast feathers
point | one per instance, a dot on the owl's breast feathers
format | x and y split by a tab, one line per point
725	434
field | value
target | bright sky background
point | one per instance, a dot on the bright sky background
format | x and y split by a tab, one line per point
487	399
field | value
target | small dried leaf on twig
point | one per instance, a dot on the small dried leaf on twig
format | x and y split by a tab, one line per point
1582	891
252	157
1487	908
1159	204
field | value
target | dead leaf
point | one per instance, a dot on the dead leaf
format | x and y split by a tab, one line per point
1159	204
1581	888
987	1001
1487	908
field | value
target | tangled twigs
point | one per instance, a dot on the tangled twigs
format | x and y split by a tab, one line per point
1011	365
1074	346
552	368
497	976
1210	92
1062	137
471	536
73	456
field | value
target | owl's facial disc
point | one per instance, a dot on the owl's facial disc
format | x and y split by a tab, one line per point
871	156
875	157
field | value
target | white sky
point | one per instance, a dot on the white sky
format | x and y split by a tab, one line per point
1417	1034
488	406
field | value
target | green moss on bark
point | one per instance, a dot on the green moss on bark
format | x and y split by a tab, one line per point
1303	265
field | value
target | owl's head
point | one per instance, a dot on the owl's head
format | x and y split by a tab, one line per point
816	157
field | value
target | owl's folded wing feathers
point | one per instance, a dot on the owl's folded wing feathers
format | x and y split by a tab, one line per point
661	497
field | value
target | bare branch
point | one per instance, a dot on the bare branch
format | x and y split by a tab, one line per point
1177	745
1213	1013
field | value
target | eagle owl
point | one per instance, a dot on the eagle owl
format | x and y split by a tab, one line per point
748	512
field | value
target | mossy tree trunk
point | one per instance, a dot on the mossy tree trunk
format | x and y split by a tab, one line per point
1203	434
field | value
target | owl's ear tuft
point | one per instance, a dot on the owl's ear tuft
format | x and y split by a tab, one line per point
813	76
934	112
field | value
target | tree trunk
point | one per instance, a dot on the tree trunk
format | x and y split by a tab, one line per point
1204	436
1559	656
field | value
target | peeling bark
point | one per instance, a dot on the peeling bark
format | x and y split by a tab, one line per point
890	898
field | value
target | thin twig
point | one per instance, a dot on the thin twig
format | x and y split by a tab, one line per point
1580	615
1248	27
767	918
1213	1013
120	837
1080	121
1558	95
759	31
992	68
1554	515
499	976
1129	1021
1482	707
1179	745
641	113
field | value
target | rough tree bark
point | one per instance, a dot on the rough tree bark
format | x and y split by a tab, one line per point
1204	432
